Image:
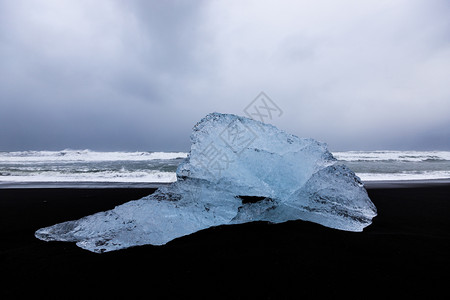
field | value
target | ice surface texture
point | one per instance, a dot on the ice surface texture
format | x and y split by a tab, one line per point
238	170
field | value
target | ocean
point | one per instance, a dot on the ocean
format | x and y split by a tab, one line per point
78	167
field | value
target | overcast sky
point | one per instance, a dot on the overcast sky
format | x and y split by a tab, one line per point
137	75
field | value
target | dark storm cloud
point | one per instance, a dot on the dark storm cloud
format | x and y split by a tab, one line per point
138	74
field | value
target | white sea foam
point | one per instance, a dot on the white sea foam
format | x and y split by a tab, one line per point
411	156
432	175
85	156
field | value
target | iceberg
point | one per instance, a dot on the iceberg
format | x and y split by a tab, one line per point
238	170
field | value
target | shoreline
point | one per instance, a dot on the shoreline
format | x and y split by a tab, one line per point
369	184
405	183
81	185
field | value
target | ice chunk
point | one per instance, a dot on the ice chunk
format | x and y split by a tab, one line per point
238	170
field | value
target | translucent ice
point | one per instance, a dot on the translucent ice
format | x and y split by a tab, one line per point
232	159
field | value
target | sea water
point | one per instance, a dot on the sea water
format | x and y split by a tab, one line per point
86	166
397	165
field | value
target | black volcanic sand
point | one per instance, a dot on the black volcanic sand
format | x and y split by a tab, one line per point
405	252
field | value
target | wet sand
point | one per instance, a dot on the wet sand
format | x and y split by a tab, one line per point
406	251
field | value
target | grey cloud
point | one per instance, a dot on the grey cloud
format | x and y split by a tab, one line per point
139	74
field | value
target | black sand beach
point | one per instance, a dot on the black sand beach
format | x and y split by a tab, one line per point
406	251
